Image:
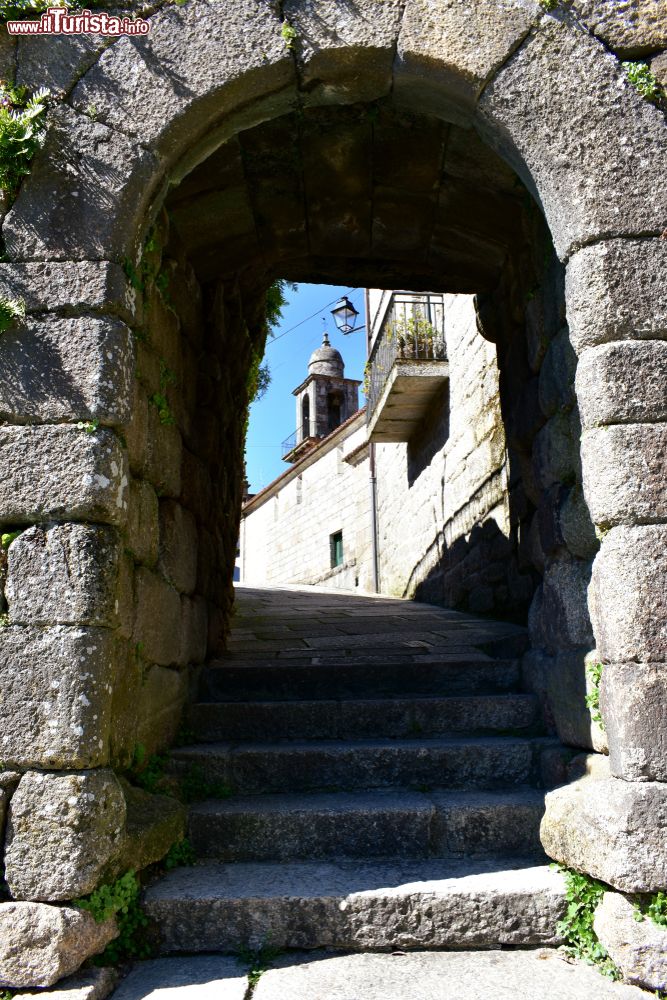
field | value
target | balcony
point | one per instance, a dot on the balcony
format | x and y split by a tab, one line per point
299	443
407	366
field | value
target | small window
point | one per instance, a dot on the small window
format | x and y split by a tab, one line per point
305	418
336	545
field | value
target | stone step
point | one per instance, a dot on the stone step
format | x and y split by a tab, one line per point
357	905
357	718
278	680
368	824
254	768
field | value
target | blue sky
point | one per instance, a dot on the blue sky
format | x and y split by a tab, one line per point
273	418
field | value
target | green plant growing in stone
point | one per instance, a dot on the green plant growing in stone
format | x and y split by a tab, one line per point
185	736
106	901
148	772
549	4
180	854
594	672
8	537
258	961
642	79
654	907
159	399
161	404
120	899
6	994
162	285
89	426
4	620
195	786
21	133
144	273
11	310
583	894
289	35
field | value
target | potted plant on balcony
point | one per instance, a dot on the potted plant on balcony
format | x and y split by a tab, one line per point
416	338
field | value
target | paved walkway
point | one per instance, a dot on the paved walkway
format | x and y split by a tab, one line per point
319	625
492	975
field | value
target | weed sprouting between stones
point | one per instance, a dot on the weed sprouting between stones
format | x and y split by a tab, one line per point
643	80
120	899
258	961
583	894
594	671
654	907
21	135
11	310
289	35
195	786
149	773
8	537
180	855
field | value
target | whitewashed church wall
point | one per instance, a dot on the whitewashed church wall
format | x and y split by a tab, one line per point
286	539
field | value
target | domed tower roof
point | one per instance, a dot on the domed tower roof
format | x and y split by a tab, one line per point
326	360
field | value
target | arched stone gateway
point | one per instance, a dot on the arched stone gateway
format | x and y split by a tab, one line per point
184	171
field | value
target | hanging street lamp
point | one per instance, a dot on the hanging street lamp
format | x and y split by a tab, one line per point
345	316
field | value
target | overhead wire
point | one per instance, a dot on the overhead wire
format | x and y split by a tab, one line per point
272	340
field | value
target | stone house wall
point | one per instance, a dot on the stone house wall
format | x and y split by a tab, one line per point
443	506
286	529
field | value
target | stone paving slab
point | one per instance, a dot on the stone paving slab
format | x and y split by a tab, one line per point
93	984
494	975
203	977
309	623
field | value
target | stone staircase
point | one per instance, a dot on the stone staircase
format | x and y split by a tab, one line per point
380	783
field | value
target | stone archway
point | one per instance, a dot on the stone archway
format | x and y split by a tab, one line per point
139	118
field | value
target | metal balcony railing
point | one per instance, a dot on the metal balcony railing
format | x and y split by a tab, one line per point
301	435
413	329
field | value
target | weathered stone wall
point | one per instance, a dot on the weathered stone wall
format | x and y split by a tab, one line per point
443	505
121	448
541	89
550	516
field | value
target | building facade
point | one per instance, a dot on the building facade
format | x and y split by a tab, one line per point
442	522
